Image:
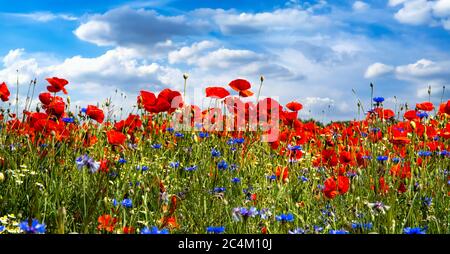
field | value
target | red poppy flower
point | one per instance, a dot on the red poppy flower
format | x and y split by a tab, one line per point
425	106
246	93
146	98
4	92
95	113
104	166
388	114
332	189
411	115
294	106
115	137
106	222
45	98
217	92
444	108
161	105
282	173
240	85
128	230
56	106
57	85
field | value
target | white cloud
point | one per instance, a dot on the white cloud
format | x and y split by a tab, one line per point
415	12
279	20
93	79
442	8
129	27
360	6
42	16
420	12
189	53
378	69
424	69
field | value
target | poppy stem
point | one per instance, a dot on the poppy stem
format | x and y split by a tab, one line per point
259	90
17	95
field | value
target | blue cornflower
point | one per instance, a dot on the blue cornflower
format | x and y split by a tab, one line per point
294	148
144	168
427	201
303	178
233	167
170	129
192	168
215	230
285	217
179	134
363	134
68	120
444	153
382	158
367	226
222	165
272	177
156	146
375	130
2	228
338	232
320	187
236	180
215	153
422	115
127	203
415	231
244	212
317	229
86	161
378	99
220	189
351	174
233	141
297	231
367	157
154	231
34	228
114	202
175	164
396	160
203	134
425	153
84	110
122	160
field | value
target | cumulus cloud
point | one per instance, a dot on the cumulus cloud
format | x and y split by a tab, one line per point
189	53
96	78
378	69
360	6
125	26
420	12
422	69
292	19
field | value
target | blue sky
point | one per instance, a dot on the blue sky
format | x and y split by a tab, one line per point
315	52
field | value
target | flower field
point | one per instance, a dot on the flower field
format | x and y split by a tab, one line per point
242	165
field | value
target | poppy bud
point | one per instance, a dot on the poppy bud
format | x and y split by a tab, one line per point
2	177
261	78
185	76
413	125
68	99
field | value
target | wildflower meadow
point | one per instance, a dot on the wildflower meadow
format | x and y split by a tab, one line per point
242	163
